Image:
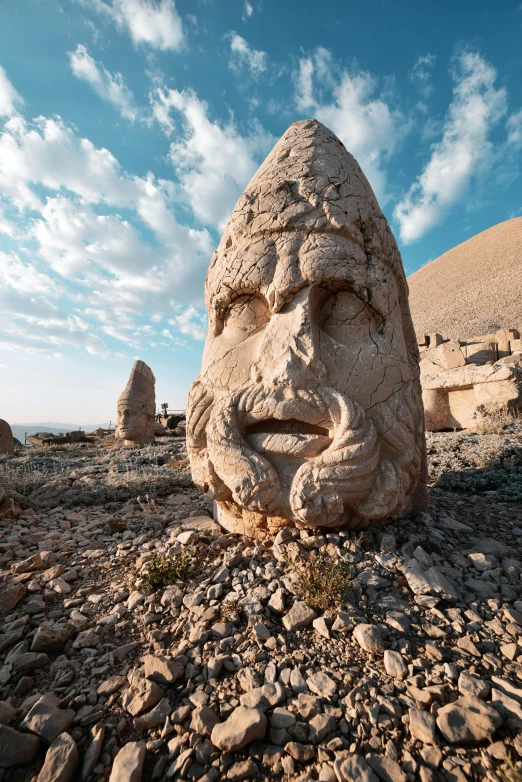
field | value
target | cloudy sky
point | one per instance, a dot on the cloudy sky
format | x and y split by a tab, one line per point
128	129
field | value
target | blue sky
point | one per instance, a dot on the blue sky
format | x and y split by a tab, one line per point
130	127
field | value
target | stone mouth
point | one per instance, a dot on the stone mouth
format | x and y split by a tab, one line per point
290	437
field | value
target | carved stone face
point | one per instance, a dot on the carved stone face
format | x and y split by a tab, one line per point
307	409
136	407
133	421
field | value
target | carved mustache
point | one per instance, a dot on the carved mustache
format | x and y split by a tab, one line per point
365	472
322	486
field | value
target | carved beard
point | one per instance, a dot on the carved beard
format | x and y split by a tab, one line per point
366	473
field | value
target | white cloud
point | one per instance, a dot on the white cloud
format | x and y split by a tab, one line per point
362	119
25	277
214	162
514	127
244	55
248	10
9	98
420	74
110	87
465	150
155	23
109	250
190	322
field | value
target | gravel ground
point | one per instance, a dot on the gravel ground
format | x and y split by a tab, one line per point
241	670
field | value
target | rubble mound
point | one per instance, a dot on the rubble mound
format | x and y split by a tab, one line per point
140	642
449	295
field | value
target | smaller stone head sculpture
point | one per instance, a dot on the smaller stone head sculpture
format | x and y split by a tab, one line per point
137	406
308	409
6	438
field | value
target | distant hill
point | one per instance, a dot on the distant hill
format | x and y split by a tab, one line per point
473	289
20	430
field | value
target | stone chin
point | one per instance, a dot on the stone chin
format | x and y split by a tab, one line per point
303	458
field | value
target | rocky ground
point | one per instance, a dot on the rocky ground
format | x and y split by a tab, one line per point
140	642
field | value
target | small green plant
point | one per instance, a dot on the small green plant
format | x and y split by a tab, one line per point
161	571
323	582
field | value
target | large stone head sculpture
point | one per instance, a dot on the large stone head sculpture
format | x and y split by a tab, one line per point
137	407
6	438
308	410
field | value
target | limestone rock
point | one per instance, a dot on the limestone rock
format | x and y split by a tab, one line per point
46	719
10	597
61	761
395	665
468	721
17	748
93	752
321	387
369	638
243	726
159	669
422	726
354	769
128	763
50	639
300	615
137	407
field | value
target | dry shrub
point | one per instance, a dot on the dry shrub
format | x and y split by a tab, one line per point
161	572
323	582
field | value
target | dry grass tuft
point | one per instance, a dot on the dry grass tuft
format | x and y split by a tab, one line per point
323	582
161	572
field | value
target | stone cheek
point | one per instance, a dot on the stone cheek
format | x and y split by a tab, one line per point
307	410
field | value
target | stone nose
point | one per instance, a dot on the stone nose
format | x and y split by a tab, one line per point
289	351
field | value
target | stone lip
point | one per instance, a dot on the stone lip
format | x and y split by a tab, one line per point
304	445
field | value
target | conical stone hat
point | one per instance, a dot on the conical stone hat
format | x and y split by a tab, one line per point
310	184
140	388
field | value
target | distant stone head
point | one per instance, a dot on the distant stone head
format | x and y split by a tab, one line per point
6	438
137	406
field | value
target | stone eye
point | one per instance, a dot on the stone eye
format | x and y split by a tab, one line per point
245	316
344	313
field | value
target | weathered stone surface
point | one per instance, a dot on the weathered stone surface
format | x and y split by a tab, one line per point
46	719
159	669
128	763
61	760
308	405
464	396
137	407
10	597
395	665
263	698
354	769
141	696
204	720
6	437
300	615
386	769
50	639
369	638
428	581
17	748
468	721
243	726
93	752
422	726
